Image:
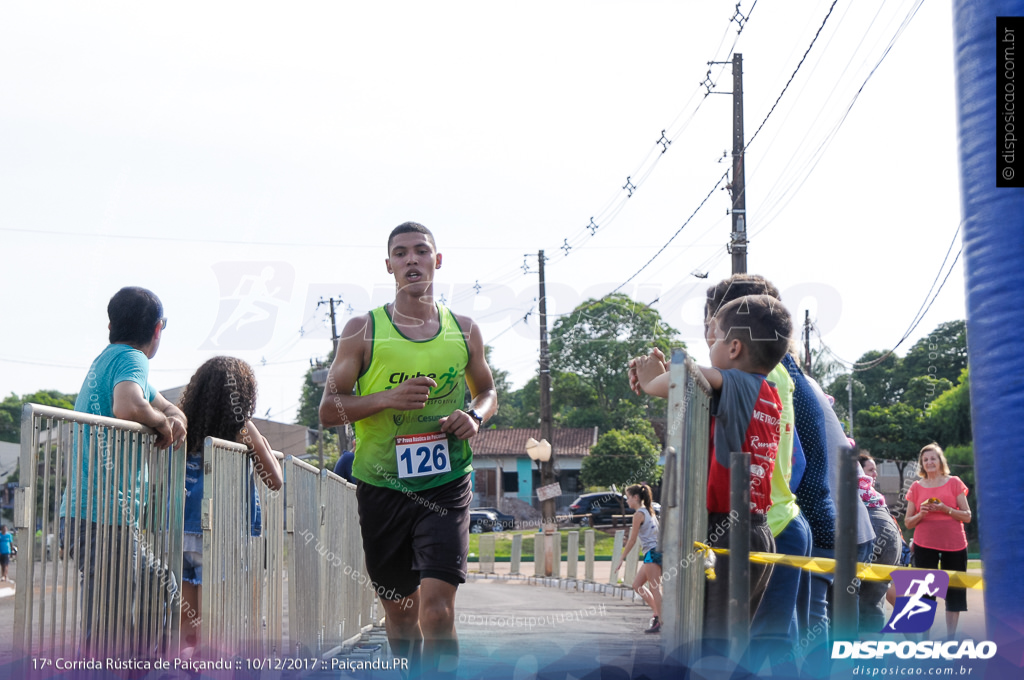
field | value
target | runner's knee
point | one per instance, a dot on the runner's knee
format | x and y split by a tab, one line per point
400	614
437	616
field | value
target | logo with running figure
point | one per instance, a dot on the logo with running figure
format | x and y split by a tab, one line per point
914	613
446	384
251	295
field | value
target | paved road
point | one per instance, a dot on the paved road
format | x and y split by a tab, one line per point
516	628
513	628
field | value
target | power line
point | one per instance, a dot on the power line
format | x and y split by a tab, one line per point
678	231
635	180
795	71
922	311
786	194
716	257
631	187
635	274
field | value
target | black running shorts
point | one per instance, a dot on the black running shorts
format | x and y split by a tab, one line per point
408	536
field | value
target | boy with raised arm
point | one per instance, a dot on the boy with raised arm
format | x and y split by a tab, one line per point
747	336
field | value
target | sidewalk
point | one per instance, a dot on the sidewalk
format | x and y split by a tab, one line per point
7	590
971	625
509	621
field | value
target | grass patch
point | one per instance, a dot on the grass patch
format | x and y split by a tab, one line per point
503	543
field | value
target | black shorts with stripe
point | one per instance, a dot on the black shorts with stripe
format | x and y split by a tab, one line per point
408	536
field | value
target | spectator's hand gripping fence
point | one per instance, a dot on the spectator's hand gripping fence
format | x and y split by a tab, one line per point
106	584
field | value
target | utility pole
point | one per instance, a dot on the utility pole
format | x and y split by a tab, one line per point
547	468
334	325
807	342
343	443
738	242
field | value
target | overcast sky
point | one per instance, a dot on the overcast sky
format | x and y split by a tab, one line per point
245	161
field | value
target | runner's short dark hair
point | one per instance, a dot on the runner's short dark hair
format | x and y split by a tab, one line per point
411	228
133	313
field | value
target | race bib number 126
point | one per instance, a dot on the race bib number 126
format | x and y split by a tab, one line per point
420	455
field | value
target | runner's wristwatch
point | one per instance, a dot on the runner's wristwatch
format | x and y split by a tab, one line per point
475	416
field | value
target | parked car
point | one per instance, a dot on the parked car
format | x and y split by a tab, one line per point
505	521
601	506
481	521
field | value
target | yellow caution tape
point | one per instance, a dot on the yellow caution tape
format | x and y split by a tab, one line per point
865	572
709	559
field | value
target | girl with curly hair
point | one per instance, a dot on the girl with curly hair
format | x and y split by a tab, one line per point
219	402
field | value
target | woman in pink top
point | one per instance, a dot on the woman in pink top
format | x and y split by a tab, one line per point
937	511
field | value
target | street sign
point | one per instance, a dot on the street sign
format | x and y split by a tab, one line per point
549	491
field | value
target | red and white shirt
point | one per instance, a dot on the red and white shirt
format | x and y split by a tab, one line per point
746	416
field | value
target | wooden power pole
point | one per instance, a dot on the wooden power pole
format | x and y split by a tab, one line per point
738	242
320	378
547	468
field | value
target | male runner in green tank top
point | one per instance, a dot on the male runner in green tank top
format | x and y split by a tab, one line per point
399	377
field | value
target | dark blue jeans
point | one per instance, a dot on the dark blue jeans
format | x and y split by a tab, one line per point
111	592
814	643
785	608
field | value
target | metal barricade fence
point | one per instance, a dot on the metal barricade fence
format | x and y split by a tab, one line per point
329	593
112	499
302	535
346	598
243	569
113	589
684	509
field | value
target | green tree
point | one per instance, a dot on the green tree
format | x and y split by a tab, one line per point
594	344
839	389
525	405
622	458
940	354
931	367
923	389
894	432
331	451
309	400
949	414
508	409
10	419
823	369
10	410
641	426
875	386
573	403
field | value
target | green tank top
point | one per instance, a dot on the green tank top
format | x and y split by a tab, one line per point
404	450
